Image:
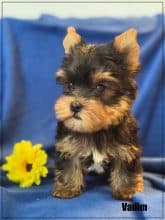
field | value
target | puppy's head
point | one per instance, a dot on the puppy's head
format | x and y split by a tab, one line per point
98	81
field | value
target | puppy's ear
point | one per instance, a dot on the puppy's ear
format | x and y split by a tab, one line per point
60	76
71	39
126	43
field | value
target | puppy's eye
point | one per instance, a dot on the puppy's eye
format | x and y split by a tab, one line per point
71	87
100	88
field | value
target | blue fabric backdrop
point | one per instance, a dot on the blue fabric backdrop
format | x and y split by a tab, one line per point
31	53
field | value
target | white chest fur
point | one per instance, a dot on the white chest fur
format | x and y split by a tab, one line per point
97	156
98	159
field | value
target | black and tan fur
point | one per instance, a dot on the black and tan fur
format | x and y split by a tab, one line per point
100	80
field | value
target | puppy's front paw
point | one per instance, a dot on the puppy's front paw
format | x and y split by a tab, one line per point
123	194
65	192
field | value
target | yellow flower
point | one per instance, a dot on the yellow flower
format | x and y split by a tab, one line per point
26	165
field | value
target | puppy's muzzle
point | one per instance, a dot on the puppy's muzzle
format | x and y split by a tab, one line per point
76	107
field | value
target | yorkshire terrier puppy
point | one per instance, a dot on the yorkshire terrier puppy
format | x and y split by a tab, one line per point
96	129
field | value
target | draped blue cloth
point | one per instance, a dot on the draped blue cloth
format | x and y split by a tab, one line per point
31	53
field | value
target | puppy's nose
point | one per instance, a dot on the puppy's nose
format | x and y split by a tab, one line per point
76	107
